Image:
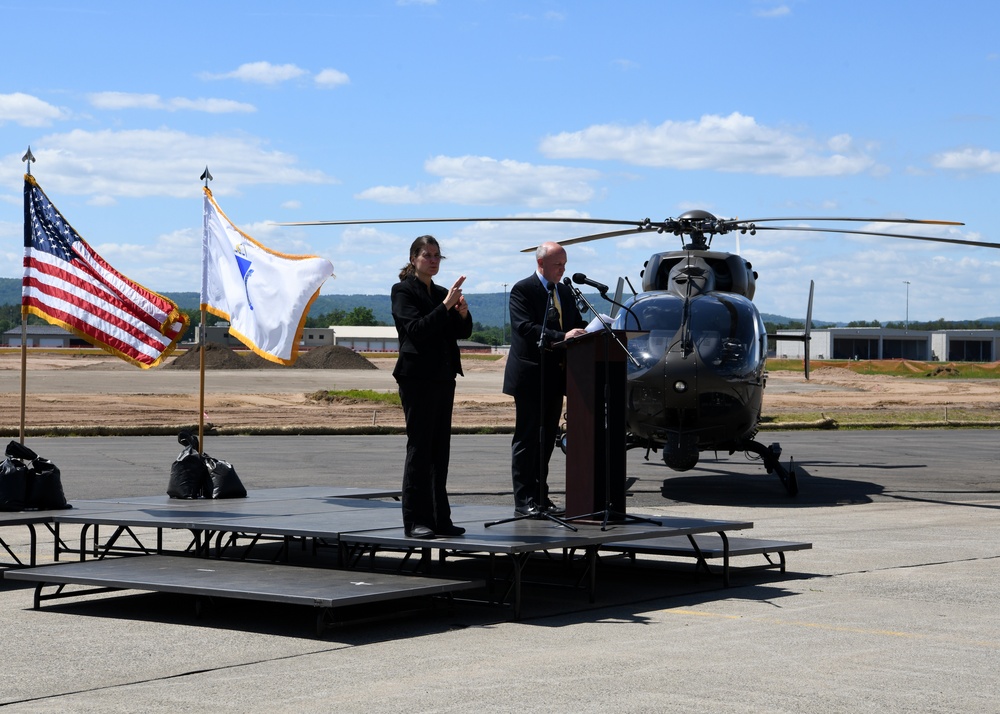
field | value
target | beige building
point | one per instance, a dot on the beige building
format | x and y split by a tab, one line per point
884	343
219	334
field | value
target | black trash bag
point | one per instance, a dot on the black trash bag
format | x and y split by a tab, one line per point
17	450
189	476
27	481
45	491
225	482
13	485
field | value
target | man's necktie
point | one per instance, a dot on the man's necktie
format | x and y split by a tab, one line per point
556	304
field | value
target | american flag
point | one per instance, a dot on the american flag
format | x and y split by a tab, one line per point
67	284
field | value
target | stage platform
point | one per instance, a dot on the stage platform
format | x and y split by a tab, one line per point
86	512
705	547
320	588
227	537
30	520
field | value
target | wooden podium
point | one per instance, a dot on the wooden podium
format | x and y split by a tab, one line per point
594	458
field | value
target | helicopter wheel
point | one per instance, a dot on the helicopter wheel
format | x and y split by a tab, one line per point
787	476
771	457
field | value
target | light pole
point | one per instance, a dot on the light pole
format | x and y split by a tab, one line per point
503	337
907	323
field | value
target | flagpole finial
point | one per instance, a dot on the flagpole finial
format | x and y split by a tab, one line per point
30	158
206	176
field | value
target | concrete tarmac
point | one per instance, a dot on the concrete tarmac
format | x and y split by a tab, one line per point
893	610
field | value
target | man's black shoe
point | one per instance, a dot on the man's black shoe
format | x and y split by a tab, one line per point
528	509
418	532
554	510
449	530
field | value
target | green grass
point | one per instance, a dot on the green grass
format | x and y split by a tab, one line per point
466	356
354	396
850	418
897	368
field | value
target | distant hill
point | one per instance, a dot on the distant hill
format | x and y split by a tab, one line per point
488	309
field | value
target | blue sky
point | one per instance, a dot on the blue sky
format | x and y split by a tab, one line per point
470	108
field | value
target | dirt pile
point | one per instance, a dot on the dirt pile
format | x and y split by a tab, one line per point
332	357
222	357
216	357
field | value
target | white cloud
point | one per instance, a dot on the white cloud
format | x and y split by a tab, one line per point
480	181
27	110
861	277
210	105
733	144
145	263
127	100
367	259
971	159
260	73
332	78
776	11
161	162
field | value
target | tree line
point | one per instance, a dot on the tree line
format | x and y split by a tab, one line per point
10	317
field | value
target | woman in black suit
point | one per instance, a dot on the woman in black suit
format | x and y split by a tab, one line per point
429	321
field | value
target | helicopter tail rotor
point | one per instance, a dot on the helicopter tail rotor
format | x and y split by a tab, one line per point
807	336
616	302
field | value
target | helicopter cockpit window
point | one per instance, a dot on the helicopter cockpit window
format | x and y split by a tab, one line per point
726	334
650	312
651	323
648	348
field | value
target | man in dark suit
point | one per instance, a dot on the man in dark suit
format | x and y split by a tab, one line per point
539	305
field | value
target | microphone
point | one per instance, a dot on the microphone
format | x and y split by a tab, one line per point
581	279
581	305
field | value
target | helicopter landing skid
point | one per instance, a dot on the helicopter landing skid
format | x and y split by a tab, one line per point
771	455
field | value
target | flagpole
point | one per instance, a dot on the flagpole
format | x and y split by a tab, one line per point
206	176
201	382
28	159
24	371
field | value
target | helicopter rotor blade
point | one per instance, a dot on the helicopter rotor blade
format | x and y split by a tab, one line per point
595	236
506	219
955	241
856	220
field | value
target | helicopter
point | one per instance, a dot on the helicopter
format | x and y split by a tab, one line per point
696	379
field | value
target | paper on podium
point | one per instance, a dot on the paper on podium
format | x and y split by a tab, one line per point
596	325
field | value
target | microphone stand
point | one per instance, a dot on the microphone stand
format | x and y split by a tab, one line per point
541	513
608	514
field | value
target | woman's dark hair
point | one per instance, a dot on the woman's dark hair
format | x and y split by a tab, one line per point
415	247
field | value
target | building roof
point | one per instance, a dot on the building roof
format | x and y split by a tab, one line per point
380	332
41	330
